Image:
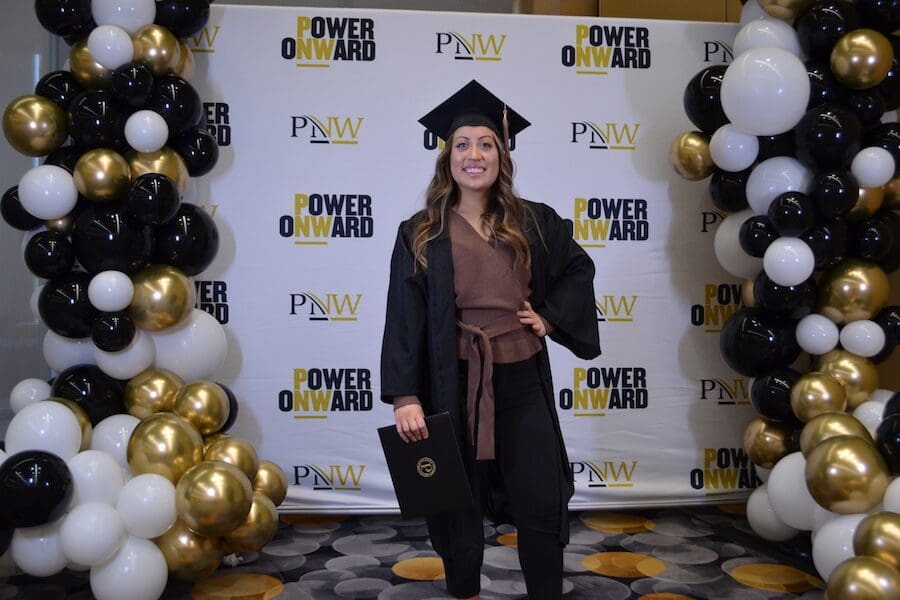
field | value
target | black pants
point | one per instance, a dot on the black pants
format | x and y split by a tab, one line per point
524	479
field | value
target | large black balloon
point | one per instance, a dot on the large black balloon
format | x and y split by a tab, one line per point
770	394
881	15
824	88
792	213
892	406
198	149
871	239
868	106
728	189
64	306
97	120
232	409
59	86
112	331
775	145
887	439
182	17
828	242
889	88
107	237
65	157
153	198
756	235
827	137
702	99
35	488
753	342
177	102
14	213
887	136
132	84
834	193
49	254
795	301
820	27
188	241
64	17
889	320
891	261
96	392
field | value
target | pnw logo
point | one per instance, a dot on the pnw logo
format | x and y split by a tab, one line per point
725	392
725	469
599	48
325	307
597	390
709	218
328	130
212	297
320	41
601	220
717	51
319	218
205	40
474	46
608	136
339	478
720	302
604	473
218	122
318	392
615	309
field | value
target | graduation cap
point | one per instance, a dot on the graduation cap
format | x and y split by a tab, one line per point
475	105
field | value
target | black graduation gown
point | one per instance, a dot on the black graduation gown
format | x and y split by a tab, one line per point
419	348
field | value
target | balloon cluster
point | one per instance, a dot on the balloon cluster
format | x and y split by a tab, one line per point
798	140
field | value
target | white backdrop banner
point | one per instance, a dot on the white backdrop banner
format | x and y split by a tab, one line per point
322	156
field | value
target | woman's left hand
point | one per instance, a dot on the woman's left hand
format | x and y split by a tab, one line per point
532	319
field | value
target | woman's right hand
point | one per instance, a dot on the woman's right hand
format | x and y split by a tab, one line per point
411	423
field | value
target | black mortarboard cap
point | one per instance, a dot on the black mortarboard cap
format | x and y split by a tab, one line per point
473	104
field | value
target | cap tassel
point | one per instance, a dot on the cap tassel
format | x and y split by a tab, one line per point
505	128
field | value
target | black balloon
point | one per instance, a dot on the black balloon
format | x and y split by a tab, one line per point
97	120
889	320
871	239
889	88
887	439
887	136
112	331
881	15
702	99
795	301
892	406
728	190
132	84
754	343
182	17
792	213
96	392
775	145
107	237
770	394
834	193
65	157
153	198
232	409
189	241
891	261
64	17
14	213
756	234
867	105
177	102
6	533
824	88
36	488
49	254
64	306
827	137
828	242
198	149
889	347
820	27
59	86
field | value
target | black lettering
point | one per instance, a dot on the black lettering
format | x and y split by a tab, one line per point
697	479
285	401
288	48
566	399
286	226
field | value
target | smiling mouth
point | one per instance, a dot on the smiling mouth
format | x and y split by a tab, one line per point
474	170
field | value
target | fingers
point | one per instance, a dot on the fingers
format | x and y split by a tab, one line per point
412	430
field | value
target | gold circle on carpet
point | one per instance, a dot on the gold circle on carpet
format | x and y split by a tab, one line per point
665	596
424	568
618	523
775	578
312	519
733	509
508	539
623	564
242	586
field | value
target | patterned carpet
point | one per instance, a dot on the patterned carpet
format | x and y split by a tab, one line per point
669	554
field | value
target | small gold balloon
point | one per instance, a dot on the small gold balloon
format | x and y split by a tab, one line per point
846	475
786	10
828	425
185	66
156	48
878	535
862	58
858	375
152	391
867	203
87	71
63	225
165	444
271	481
816	393
237	452
84	421
689	156
747	297
102	175
863	578
213	498
163	296
210	439
165	161
204	404
189	555
891	192
258	528
766	442
852	290
34	125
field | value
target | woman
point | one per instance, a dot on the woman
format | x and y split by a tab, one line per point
478	279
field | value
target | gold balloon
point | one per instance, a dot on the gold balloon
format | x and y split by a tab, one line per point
165	444
189	555
766	442
689	156
213	498
892	194
867	203
858	375
163	297
878	535
63	225
165	161
152	391
747	297
271	481
156	48
102	175
34	125
846	475
852	290
84	421
86	70
204	404
816	393
863	578
210	439
829	425
786	10
862	58
258	528
185	66
237	452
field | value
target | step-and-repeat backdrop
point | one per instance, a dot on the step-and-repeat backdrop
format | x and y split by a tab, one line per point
322	156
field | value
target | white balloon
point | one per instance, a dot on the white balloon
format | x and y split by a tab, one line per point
110	46
146	131
763	474
834	543
817	334
863	338
147	505
766	32
28	391
36	550
752	10
774	176
788	493
728	249
789	261
193	349
881	395
44	425
891	498
873	167
137	571
822	516
96	477
60	352
91	533
110	291
765	91
870	413
763	519
130	15
111	435
131	360
47	192
732	149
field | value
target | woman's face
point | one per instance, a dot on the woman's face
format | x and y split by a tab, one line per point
474	158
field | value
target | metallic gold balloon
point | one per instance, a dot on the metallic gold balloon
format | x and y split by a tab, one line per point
689	156
157	48
747	297
258	528
210	439
862	58
863	578
816	393
165	161
189	555
271	481
152	391
163	296
766	442
213	498
867	203
165	444
852	290
878	535
786	10
102	175
86	70
237	452
892	194
829	425
185	66
204	404
846	475
64	225
84	421
858	375
34	125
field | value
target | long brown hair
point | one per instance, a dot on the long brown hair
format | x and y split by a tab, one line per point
506	213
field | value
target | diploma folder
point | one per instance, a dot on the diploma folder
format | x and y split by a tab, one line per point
428	475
